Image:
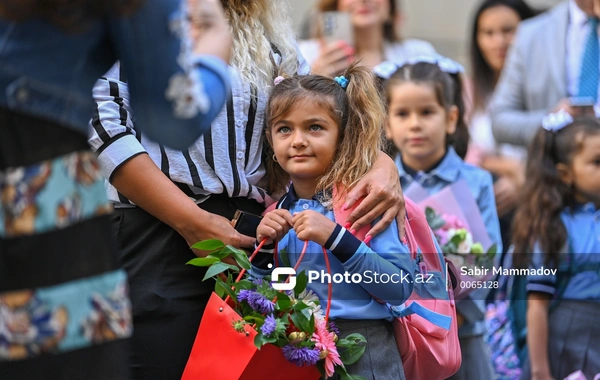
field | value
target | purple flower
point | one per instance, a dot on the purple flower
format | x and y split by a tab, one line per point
333	328
301	356
243	295
257	301
268	328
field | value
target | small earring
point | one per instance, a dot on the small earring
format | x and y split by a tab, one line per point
274	158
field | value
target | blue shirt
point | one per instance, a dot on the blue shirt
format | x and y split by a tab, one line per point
452	169
386	255
49	73
583	247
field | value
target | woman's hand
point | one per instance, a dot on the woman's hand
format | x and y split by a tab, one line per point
333	59
313	226
274	225
209	29
213	226
383	197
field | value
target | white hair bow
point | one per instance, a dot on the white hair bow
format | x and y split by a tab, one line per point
386	68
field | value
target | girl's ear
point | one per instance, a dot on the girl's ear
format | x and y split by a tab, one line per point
452	120
565	174
388	129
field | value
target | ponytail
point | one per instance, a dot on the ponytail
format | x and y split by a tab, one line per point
460	138
545	195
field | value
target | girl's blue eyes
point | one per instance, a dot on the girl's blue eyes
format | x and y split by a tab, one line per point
313	128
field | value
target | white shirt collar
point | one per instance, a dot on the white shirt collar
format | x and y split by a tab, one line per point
576	16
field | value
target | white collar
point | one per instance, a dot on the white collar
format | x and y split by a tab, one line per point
576	15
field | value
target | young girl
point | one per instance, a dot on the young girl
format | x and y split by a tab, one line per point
326	133
425	116
558	221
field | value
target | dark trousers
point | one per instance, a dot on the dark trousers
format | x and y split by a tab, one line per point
168	296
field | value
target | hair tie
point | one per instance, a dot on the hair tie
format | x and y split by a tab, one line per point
556	121
342	81
278	80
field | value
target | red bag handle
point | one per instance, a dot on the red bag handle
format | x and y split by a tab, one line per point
327	265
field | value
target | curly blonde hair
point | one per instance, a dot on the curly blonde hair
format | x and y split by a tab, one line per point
359	111
255	26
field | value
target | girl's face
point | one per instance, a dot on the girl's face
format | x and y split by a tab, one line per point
495	31
584	172
418	124
366	13
305	141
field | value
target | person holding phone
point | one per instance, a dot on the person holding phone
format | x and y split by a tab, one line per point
374	24
166	200
555	56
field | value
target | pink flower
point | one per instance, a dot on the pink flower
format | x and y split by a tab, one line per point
324	342
442	236
452	222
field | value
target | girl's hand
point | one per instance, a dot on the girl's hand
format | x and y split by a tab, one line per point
384	198
333	59
506	192
274	225
310	225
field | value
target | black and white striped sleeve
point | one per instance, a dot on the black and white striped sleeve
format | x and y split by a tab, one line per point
112	133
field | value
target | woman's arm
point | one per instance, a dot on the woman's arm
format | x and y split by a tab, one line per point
384	198
178	83
537	335
141	181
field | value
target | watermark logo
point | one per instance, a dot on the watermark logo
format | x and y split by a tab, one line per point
284	272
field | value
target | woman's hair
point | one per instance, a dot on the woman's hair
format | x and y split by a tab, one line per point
484	79
544	195
390	29
257	27
358	111
67	14
448	92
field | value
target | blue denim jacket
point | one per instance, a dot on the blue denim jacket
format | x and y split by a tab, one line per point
49	73
583	243
452	169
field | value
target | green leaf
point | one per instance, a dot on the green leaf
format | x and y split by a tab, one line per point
283	302
493	250
240	256
217	268
203	261
220	254
226	288
209	245
219	290
244	284
352	354
344	375
285	259
301	282
301	321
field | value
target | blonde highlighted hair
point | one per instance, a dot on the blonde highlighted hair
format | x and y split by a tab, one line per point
255	26
359	112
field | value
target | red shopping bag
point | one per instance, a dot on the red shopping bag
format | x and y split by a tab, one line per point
221	353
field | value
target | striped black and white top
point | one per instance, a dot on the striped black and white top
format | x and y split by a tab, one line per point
227	159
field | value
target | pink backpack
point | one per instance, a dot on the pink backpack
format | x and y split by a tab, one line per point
425	326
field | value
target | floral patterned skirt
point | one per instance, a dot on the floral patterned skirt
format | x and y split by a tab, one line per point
64	306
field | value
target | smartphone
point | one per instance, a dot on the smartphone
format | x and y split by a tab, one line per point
582	106
335	26
246	223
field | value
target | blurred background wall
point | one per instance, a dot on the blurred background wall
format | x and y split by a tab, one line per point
444	23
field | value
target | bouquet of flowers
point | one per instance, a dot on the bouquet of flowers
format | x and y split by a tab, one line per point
292	321
458	245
